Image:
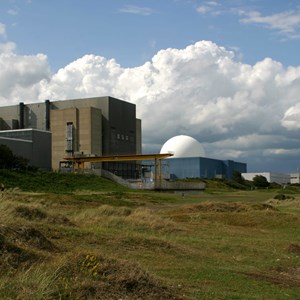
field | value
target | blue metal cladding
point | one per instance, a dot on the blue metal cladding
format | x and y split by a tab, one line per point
184	167
211	168
232	166
202	167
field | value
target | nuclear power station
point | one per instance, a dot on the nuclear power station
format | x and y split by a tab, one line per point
47	132
50	132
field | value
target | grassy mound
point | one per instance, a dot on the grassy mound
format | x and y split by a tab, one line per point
56	182
106	278
16	247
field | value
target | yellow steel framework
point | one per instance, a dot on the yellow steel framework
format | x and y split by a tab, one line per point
81	159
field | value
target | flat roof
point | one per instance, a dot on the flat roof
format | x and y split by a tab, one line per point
25	129
111	158
15	140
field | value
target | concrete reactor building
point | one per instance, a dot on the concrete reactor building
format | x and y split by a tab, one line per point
50	132
47	132
189	161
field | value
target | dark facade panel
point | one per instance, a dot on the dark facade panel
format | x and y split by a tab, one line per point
41	149
120	137
30	144
18	147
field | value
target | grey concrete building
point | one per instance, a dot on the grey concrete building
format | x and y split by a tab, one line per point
92	126
32	144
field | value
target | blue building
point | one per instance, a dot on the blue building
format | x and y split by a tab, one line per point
202	167
189	161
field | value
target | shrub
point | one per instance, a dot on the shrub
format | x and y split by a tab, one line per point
283	197
260	181
10	161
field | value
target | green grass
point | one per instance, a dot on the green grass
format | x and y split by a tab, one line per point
56	182
92	239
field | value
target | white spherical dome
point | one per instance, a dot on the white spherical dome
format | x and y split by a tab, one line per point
183	146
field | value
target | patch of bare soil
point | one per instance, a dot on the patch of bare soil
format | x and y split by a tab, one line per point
35	214
59	220
294	248
30	213
285	276
264	206
103	278
18	245
34	238
11	254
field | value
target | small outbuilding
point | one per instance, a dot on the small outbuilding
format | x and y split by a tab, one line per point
280	178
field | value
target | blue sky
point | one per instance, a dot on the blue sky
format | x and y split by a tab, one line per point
133	31
224	72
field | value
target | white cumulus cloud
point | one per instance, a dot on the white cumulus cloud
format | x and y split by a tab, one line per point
291	118
20	76
237	111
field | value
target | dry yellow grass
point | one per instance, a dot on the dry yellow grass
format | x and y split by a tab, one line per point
200	247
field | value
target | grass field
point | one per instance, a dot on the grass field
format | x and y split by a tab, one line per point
83	237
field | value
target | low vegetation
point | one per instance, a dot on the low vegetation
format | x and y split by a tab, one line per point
70	236
10	161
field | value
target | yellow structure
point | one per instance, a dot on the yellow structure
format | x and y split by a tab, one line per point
79	161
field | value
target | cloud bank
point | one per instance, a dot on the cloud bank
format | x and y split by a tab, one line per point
237	111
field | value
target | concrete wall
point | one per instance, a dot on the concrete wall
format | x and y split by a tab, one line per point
180	185
34	145
138	132
7	115
295	178
59	120
35	116
161	185
97	102
87	132
90	130
41	149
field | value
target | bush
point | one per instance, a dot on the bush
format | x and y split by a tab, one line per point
283	197
260	181
237	177
10	161
236	185
6	157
